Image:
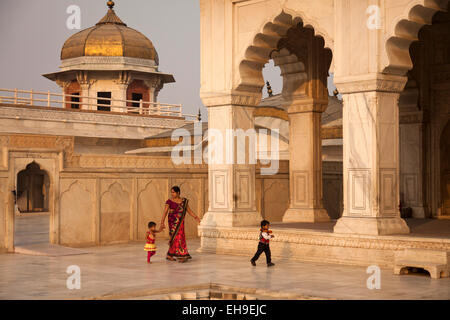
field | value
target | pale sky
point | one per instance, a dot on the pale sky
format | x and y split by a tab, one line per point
33	32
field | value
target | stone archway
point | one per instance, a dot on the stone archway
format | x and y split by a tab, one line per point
371	161
49	162
304	61
423	113
33	210
305	70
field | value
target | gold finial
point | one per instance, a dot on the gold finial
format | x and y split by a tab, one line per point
269	89
110	4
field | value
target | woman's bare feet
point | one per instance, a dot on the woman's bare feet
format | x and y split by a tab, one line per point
170	258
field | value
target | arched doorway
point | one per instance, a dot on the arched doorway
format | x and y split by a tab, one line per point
445	171
32	189
32	218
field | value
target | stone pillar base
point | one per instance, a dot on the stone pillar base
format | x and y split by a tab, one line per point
371	226
306	215
231	219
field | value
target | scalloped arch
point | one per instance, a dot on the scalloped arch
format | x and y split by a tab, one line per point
258	53
406	30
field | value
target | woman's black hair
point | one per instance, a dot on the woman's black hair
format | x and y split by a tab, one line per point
176	189
151	224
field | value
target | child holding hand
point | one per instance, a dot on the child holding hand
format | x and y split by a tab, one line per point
150	236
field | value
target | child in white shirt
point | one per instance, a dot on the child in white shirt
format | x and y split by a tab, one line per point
263	246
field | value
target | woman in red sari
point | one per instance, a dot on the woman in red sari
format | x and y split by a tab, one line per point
176	208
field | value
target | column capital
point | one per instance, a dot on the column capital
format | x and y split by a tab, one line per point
238	98
63	84
84	80
371	82
154	83
305	104
124	79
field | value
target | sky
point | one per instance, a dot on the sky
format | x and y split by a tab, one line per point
32	34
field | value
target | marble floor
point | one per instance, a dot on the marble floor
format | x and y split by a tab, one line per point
121	271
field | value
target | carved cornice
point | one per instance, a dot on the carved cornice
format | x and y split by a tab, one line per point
133	162
30	141
237	98
108	63
371	82
62	115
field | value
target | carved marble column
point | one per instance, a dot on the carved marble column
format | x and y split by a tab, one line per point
120	93
232	200
371	155
63	85
85	84
305	163
304	64
155	85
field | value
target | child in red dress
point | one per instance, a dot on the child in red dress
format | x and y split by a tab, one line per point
150	245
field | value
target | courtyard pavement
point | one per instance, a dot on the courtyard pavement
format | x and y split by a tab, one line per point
122	270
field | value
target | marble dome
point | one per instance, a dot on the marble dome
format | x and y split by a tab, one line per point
110	37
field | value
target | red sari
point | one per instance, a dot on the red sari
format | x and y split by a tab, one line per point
177	244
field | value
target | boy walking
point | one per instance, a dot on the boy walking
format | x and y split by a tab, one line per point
263	245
